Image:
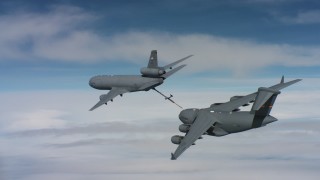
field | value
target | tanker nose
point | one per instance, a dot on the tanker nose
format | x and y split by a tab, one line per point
92	82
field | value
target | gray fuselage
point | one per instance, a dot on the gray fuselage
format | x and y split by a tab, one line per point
238	121
130	82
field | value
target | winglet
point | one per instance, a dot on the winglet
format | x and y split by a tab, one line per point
172	157
282	79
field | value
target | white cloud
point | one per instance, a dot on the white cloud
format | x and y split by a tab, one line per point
22	31
38	119
62	34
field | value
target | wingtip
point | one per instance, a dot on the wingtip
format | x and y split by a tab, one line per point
296	80
172	157
93	108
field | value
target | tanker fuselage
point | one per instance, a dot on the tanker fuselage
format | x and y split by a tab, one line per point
131	82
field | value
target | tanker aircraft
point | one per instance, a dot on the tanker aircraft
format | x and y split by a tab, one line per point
151	77
221	119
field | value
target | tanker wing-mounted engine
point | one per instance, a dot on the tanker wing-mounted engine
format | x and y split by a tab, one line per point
103	96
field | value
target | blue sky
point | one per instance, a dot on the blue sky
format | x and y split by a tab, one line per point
91	27
50	49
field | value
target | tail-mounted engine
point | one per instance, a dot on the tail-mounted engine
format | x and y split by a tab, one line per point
152	72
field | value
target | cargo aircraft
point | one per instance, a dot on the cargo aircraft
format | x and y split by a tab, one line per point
221	119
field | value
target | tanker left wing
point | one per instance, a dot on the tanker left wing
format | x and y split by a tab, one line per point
201	124
109	97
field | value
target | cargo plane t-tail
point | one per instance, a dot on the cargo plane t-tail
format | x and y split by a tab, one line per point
151	77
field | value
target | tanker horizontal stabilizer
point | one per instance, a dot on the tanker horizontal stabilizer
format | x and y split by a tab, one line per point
165	76
169	66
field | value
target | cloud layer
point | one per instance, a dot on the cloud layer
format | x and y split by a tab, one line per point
128	139
63	34
52	135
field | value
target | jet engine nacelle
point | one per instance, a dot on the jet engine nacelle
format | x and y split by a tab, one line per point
176	139
152	72
102	96
235	98
188	116
184	128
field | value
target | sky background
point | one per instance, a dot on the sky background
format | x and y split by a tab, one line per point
50	49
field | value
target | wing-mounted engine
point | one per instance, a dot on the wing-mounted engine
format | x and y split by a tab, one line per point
152	72
176	139
238	97
235	98
103	97
184	128
188	116
215	104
